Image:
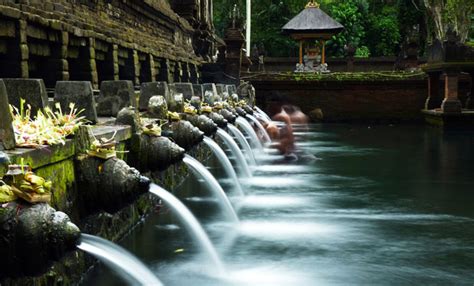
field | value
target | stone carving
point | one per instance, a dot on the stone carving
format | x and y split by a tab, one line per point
198	90
32	237
115	185
157	107
79	93
184	88
115	95
149	89
32	91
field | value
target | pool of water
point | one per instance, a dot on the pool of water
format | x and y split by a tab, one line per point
381	205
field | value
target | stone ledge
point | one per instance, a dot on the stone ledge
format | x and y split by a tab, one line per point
451	121
46	155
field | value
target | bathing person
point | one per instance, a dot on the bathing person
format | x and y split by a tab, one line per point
296	115
286	139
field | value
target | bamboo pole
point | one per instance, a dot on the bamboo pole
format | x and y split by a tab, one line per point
301	52
323	56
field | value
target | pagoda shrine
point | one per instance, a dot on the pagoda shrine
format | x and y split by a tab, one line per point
312	28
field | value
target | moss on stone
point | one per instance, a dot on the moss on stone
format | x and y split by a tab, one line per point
62	176
44	155
343	76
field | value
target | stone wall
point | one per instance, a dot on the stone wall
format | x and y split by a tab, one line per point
99	40
199	14
361	100
347	101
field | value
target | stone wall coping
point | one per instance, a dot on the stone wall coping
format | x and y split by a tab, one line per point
47	155
333	84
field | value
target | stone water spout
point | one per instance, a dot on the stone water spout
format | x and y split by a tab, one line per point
185	134
204	123
108	184
182	132
32	237
148	152
228	115
170	107
191	113
240	111
217	118
248	109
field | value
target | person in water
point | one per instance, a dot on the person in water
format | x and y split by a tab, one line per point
280	130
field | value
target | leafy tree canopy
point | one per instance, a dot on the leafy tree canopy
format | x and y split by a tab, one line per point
375	27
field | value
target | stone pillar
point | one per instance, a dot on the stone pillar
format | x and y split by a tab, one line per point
185	72
434	99
198	73
451	102
92	65
7	137
234	41
170	77
178	72
470	99
24	50
136	67
115	60
153	71
350	51
64	66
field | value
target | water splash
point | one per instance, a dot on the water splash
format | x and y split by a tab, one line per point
201	171
124	263
245	125
243	142
261	112
260	127
222	157
191	224
240	159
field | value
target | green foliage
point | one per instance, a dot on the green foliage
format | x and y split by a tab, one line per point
351	14
412	22
267	19
362	52
383	26
450	14
383	33
347	76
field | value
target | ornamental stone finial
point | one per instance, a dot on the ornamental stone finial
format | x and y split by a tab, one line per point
312	4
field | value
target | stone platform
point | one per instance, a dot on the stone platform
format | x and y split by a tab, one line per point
451	121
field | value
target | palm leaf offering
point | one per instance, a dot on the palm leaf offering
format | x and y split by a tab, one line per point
6	193
173	116
20	181
153	128
48	127
103	147
189	109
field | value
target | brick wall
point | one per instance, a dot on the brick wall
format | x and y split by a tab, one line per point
93	40
347	101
